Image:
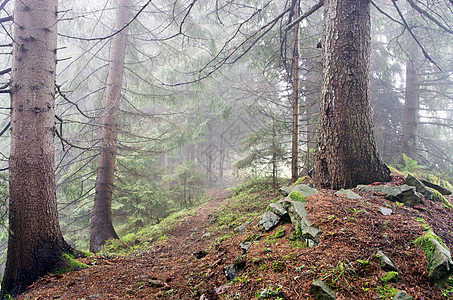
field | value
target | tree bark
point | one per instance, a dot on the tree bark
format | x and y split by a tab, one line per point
101	220
347	154
35	244
295	99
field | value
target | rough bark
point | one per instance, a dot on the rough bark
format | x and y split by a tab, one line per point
295	99
101	220
35	242
347	154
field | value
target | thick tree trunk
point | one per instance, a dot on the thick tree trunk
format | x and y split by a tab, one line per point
101	220
35	242
295	100
347	153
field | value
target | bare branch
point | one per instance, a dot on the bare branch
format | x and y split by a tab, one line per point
114	33
6	19
426	14
425	53
305	15
386	14
5	71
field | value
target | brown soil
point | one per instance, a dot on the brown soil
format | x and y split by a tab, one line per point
353	230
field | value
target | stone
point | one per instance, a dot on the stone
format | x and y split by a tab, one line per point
386	263
302	188
95	296
230	272
245	246
348	194
440	264
243	227
303	228
404	193
277	208
438	188
402	295
269	220
385	211
321	291
419	186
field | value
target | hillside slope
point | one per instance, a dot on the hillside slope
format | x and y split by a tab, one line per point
187	255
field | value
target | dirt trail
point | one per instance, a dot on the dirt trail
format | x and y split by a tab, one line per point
140	275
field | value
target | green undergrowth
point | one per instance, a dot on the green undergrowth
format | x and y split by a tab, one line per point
249	200
246	206
140	240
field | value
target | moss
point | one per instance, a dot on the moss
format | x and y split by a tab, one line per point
297	196
438	197
70	264
302	180
425	242
390	277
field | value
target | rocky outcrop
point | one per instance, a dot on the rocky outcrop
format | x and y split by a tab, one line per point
292	208
302	188
438	188
419	186
348	194
404	193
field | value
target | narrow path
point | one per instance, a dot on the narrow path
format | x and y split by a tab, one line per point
141	275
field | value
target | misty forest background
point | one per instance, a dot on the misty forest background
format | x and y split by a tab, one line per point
207	91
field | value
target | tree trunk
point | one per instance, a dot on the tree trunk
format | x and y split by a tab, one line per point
35	244
410	117
411	98
295	100
347	153
101	219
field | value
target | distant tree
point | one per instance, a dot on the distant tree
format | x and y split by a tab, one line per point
347	153
35	243
101	220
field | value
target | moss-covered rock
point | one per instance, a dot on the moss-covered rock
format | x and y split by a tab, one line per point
69	264
440	264
297	196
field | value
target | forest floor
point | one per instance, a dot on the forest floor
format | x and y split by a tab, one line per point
163	266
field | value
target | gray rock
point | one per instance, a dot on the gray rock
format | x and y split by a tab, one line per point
95	296
348	194
245	246
230	272
298	216
269	220
403	193
401	295
419	186
385	211
302	188
321	291
386	262
243	227
277	208
441	265
438	188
